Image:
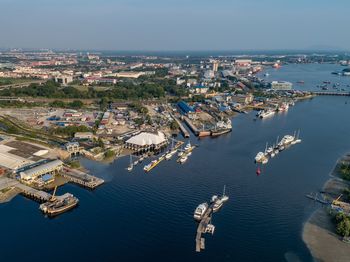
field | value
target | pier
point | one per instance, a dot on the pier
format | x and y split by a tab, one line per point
25	190
32	193
202	228
183	130
81	178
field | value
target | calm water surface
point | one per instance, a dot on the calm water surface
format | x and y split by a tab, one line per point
148	217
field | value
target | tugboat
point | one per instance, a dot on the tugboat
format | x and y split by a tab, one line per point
200	211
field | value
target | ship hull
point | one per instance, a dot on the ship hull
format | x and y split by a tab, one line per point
220	132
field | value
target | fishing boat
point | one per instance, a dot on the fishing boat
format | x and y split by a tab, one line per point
200	211
219	201
58	205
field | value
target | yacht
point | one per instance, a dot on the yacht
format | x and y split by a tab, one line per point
200	211
259	157
188	146
183	159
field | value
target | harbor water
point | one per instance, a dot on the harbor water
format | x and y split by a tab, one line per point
136	216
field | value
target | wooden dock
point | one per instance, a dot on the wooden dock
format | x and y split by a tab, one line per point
32	193
81	178
200	241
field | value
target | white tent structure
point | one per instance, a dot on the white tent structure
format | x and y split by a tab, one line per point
147	141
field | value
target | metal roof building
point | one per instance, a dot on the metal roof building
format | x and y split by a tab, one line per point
42	169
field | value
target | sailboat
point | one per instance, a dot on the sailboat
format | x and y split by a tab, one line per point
219	201
298	140
131	165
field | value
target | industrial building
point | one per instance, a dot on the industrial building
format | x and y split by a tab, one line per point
11	161
33	173
281	85
146	141
185	108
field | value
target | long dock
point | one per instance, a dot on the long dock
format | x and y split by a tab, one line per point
27	191
200	242
81	178
183	130
33	193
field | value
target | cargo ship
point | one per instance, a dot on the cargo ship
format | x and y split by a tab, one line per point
59	205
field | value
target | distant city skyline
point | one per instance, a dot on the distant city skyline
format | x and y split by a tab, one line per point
167	25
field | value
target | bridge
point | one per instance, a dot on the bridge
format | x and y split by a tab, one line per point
330	93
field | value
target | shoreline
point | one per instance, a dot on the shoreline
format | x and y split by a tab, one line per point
319	231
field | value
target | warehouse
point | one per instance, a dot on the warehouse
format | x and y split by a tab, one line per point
40	170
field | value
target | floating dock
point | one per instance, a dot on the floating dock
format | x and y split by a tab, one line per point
162	157
205	221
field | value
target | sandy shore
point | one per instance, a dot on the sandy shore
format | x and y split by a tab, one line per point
319	233
320	237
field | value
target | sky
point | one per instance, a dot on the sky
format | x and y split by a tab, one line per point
164	25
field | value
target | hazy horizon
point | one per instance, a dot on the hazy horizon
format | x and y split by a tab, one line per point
175	25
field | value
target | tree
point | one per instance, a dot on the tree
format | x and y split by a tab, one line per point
76	104
343	228
174	125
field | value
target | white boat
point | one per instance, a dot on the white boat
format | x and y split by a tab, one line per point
188	146
267	113
273	154
264	161
180	153
131	165
148	166
200	211
219	201
259	157
298	140
183	159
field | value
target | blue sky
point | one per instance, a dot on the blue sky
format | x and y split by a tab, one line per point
175	24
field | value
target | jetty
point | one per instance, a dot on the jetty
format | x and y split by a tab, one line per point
183	130
315	197
81	178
